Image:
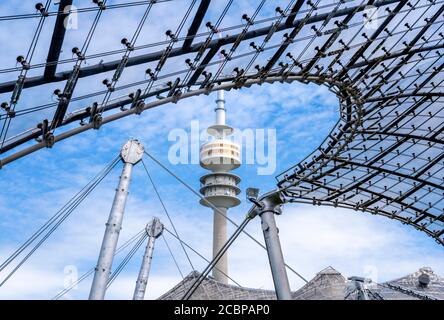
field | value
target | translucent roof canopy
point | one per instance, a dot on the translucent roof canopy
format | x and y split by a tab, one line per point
383	59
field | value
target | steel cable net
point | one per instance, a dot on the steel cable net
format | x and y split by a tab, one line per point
382	59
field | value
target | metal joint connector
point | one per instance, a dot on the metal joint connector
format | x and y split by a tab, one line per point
271	202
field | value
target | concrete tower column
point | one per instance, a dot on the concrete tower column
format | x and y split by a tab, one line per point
220	110
219	238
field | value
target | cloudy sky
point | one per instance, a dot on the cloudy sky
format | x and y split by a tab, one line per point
34	188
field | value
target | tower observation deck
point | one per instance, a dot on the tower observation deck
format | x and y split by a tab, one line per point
220	187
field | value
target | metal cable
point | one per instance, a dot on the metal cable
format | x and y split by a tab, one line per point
91	271
79	10
216	209
172	256
22	77
129	48
55	221
216	258
126	260
201	256
167	213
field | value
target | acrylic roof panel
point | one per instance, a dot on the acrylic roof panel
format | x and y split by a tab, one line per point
383	59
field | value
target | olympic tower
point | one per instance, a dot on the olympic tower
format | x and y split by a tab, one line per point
220	187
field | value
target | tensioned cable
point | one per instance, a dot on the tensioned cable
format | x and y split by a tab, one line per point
370	147
238	41
175	261
270	34
216	259
91	271
70	84
22	77
201	256
168	49
166	212
79	10
55	221
172	256
103	172
39	244
42	107
215	208
412	25
90	95
153	44
126	260
46	236
129	48
213	30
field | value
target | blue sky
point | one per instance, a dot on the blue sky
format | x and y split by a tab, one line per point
35	187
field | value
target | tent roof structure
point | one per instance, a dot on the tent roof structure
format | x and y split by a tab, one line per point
383	60
328	284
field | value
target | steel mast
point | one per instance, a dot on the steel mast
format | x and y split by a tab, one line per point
266	207
154	230
130	154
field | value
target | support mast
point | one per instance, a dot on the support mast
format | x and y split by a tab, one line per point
130	154
154	230
269	205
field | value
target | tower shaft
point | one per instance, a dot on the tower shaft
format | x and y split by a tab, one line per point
220	270
220	109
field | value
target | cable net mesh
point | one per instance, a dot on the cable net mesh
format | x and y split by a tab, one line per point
382	59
